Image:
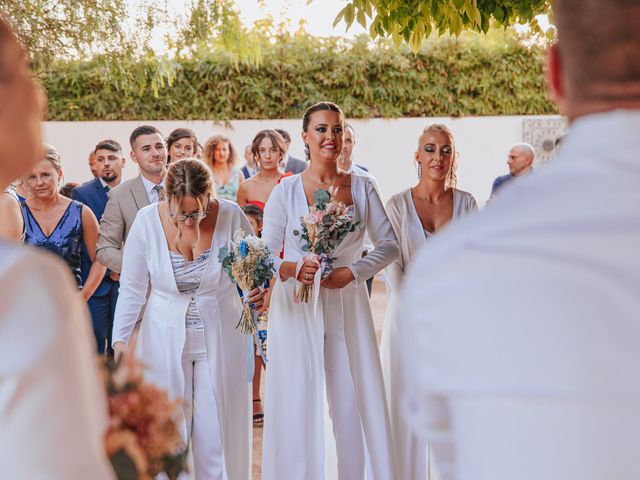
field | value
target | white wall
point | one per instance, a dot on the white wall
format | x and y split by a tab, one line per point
385	146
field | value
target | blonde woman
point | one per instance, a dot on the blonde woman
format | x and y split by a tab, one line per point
61	225
222	158
417	214
188	339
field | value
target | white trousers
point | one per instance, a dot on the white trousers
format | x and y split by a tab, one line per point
200	411
341	397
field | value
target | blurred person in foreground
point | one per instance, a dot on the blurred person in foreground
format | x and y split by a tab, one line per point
520	325
52	407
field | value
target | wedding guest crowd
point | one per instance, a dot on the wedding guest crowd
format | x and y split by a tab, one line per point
509	347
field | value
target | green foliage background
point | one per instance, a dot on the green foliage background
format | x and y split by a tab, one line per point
499	74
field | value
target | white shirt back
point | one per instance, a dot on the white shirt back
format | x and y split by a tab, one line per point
53	412
526	321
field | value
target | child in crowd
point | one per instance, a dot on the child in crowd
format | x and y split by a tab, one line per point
254	214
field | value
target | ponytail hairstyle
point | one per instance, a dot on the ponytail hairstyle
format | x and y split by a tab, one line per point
188	177
306	119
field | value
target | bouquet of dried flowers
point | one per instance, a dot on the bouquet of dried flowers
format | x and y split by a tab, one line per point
142	440
248	263
323	228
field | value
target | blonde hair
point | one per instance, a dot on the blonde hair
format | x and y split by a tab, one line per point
452	175
52	155
210	148
188	177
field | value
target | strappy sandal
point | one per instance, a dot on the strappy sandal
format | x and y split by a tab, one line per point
258	418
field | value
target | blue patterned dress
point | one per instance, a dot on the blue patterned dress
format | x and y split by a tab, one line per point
65	239
229	190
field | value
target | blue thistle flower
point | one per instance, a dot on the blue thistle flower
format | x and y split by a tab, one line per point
244	248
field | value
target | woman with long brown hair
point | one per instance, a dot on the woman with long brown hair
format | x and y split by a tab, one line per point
268	149
222	158
188	339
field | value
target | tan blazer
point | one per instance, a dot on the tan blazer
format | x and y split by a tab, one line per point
124	202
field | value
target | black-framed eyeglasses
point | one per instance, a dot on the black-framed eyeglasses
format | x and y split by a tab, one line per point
195	216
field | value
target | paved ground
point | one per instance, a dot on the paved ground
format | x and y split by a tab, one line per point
378	305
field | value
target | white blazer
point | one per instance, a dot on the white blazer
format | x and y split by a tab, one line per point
162	333
295	381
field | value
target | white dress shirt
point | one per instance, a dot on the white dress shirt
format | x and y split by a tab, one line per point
521	324
152	195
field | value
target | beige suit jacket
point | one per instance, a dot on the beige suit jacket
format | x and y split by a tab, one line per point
124	202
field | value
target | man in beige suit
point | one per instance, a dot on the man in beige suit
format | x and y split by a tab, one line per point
149	151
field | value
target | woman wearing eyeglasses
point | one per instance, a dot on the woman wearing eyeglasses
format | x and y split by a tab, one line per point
187	340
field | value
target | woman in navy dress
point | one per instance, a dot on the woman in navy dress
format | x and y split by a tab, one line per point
59	224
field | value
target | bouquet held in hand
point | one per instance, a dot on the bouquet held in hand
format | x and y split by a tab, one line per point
248	263
323	228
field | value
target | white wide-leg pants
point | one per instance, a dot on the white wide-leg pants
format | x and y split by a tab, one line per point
341	397
200	411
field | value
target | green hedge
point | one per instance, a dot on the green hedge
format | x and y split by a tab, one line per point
448	77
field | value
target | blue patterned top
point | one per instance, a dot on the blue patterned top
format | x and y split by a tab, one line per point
188	275
229	190
65	240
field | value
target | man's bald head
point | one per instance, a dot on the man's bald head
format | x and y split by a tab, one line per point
598	53
520	158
